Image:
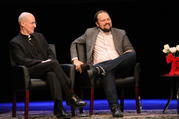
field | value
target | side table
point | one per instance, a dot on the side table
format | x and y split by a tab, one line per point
174	81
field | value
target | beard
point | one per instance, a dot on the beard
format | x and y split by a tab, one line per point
106	30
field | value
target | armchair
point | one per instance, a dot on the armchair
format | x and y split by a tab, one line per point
122	83
22	82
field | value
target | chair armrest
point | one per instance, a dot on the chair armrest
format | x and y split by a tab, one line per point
69	69
20	77
137	70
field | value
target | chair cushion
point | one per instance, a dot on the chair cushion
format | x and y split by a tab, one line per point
125	82
37	83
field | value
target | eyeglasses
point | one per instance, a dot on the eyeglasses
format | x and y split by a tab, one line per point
33	23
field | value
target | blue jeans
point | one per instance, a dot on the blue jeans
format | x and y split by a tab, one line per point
119	67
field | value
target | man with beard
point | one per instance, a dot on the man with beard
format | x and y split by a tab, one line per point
109	52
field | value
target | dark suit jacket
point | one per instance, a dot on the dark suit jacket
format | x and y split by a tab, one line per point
121	42
22	53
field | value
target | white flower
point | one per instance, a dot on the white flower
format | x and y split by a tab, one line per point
173	49
165	50
166	46
177	47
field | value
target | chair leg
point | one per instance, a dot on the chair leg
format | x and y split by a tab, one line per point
138	104
73	111
92	101
14	104
170	95
177	100
26	104
122	101
82	97
81	110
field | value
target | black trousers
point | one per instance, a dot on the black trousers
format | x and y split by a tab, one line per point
53	73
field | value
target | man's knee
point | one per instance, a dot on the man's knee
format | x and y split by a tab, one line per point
54	64
130	57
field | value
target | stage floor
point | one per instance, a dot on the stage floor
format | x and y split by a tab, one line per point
151	109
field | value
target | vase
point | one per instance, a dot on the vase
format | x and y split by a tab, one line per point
174	64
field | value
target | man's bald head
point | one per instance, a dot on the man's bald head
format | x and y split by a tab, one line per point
24	16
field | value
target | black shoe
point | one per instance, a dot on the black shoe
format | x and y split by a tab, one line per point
116	111
96	71
85	67
59	111
75	102
100	70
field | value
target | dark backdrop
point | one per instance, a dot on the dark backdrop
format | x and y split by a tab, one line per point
149	26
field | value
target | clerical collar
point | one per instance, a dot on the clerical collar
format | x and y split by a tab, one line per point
29	37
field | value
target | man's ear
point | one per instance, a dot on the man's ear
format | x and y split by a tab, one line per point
22	23
97	24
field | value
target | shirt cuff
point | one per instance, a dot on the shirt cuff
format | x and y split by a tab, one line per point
74	58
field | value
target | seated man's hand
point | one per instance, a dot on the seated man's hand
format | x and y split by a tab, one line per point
78	64
48	60
128	51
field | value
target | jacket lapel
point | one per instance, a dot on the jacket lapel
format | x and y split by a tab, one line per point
91	42
93	38
115	40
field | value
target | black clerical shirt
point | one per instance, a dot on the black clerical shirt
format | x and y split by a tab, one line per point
29	54
33	45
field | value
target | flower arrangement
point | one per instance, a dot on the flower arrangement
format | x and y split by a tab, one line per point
173	50
173	58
